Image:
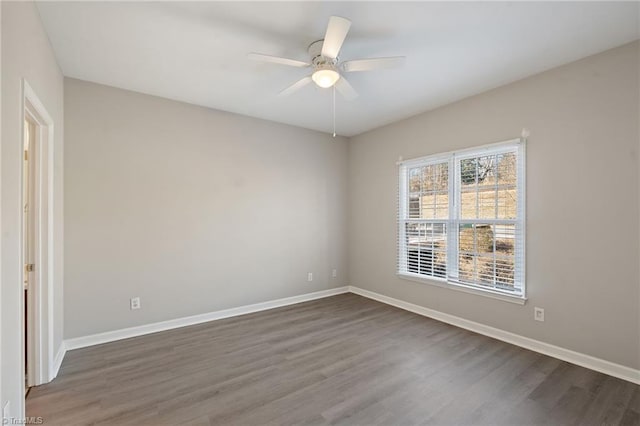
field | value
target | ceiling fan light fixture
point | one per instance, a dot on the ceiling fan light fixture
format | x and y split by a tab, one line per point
325	78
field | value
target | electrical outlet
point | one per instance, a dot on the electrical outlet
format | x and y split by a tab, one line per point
135	303
538	314
310	276
334	273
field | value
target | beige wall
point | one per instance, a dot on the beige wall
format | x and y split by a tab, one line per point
26	53
582	203
191	209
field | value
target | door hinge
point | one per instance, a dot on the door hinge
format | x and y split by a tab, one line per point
29	267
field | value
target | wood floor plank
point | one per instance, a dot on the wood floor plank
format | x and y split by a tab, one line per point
343	360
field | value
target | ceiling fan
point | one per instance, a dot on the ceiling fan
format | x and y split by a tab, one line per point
326	64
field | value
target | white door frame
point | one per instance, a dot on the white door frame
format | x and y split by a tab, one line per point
40	321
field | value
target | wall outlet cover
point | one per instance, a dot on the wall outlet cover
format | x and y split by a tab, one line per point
135	303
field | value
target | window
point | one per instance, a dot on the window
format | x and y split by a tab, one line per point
461	219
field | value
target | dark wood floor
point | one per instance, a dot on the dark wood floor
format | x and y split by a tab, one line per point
341	360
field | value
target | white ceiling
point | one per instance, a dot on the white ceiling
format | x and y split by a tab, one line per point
196	52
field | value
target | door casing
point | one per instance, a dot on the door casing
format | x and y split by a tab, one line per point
40	322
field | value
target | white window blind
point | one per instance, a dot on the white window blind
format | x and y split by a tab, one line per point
461	218
424	219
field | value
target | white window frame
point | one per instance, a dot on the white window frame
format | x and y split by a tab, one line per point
453	158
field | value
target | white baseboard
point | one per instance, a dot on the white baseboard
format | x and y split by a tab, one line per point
587	361
57	362
125	333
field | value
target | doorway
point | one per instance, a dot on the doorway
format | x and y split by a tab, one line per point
29	207
36	250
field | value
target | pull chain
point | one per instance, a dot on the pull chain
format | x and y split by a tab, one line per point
334	111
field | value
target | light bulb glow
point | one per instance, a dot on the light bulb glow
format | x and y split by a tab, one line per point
325	78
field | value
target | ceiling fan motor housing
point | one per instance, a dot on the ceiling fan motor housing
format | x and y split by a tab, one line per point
320	62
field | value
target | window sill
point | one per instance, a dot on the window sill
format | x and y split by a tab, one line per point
441	282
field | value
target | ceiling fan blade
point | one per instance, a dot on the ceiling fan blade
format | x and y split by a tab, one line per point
373	64
296	86
346	89
278	60
336	32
